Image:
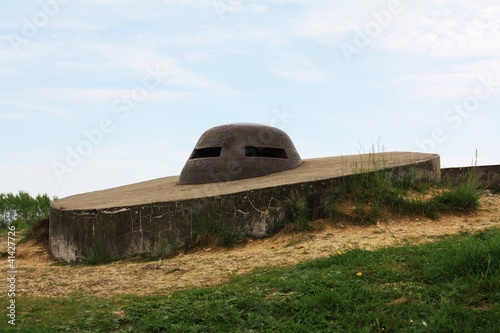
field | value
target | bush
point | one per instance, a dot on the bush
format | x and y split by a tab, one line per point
22	209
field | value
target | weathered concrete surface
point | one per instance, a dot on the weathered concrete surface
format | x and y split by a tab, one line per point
239	151
489	175
159	217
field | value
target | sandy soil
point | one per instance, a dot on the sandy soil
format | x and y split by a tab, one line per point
38	275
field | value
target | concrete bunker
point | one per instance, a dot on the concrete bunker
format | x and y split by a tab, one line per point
240	179
239	151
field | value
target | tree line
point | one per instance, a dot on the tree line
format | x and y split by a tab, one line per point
22	209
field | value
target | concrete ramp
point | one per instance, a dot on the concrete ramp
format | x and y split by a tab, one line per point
159	217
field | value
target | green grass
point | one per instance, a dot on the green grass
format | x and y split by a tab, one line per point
374	193
373	196
452	285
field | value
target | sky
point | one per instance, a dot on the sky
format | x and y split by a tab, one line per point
102	93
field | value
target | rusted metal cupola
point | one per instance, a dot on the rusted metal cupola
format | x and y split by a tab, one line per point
239	151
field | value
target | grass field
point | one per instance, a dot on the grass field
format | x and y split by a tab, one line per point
451	285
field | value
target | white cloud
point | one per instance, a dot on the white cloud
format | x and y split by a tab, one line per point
440	29
258	8
300	75
196	56
64	113
463	30
298	68
329	22
451	82
13	116
104	61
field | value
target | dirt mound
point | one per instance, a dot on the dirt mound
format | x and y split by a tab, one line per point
39	234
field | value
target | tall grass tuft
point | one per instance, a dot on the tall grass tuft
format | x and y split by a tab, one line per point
372	196
462	197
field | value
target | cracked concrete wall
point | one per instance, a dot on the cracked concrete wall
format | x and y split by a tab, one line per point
162	229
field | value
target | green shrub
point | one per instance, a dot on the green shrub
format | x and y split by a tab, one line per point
23	210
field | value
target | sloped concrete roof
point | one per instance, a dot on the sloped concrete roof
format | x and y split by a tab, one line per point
168	190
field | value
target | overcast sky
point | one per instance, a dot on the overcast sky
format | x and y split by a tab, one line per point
103	93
